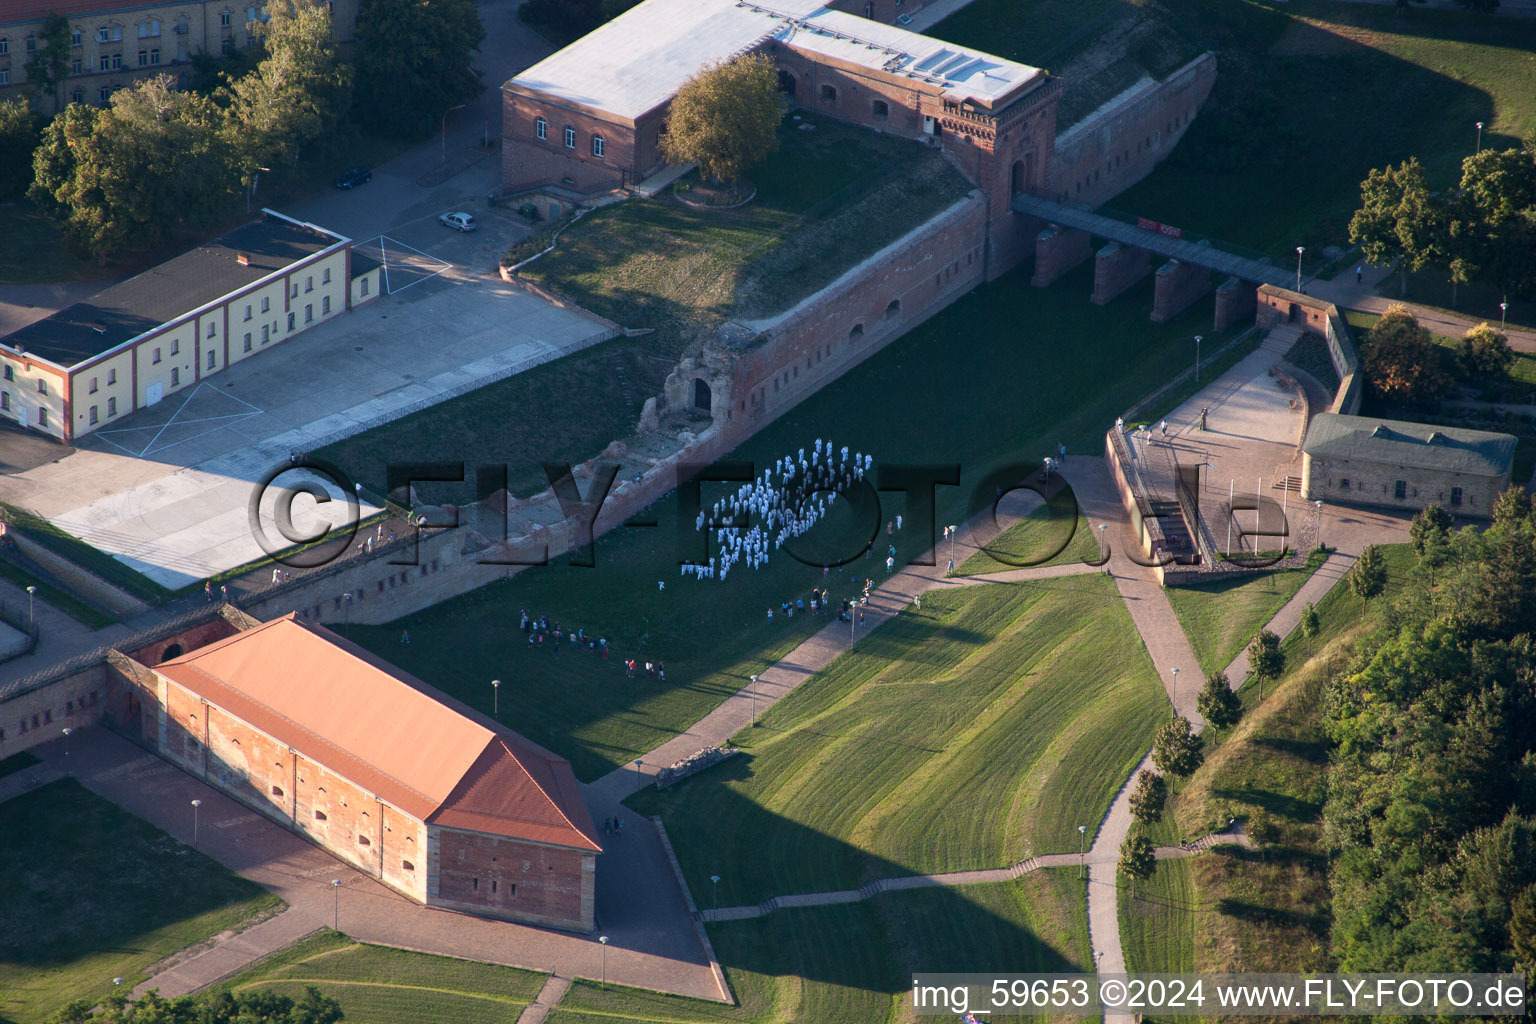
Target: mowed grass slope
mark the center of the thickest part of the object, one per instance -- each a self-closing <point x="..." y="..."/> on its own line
<point x="972" y="733"/>
<point x="1017" y="371"/>
<point x="382" y="985"/>
<point x="93" y="893"/>
<point x="853" y="963"/>
<point x="1267" y="910"/>
<point x="1221" y="618"/>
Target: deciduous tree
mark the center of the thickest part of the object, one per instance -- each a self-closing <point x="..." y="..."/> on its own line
<point x="1138" y="859"/>
<point x="1265" y="658"/>
<point x="1368" y="577"/>
<point x="1310" y="625"/>
<point x="725" y="118"/>
<point x="1401" y="361"/>
<point x="18" y="138"/>
<point x="1176" y="749"/>
<point x="1399" y="219"/>
<point x="48" y="66"/>
<point x="1149" y="797"/>
<point x="1512" y="507"/>
<point x="403" y="89"/>
<point x="1486" y="351"/>
<point x="1217" y="703"/>
<point x="297" y="93"/>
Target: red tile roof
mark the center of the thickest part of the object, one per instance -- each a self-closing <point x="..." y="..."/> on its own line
<point x="416" y="748"/>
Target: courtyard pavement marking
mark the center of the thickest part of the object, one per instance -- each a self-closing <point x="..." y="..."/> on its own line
<point x="177" y="418"/>
<point x="421" y="262"/>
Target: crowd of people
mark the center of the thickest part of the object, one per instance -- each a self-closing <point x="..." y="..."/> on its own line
<point x="789" y="499"/>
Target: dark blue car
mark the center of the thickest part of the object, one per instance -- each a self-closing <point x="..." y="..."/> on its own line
<point x="356" y="176"/>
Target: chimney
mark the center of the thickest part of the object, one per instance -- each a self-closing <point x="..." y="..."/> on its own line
<point x="243" y="259"/>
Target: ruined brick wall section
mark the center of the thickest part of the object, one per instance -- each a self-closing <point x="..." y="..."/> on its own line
<point x="511" y="878"/>
<point x="630" y="151"/>
<point x="1119" y="144"/>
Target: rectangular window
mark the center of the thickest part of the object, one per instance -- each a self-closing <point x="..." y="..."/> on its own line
<point x="143" y="58"/>
<point x="325" y="305"/>
<point x="74" y="38"/>
<point x="1400" y="489"/>
<point x="154" y="57"/>
<point x="5" y="45"/>
<point x="104" y="64"/>
<point x="309" y="283"/>
<point x="42" y="417"/>
<point x="1455" y="496"/>
<point x="175" y="346"/>
<point x="213" y="328"/>
<point x="247" y="311"/>
<point x="93" y="385"/>
<point x="494" y="885"/>
<point x="295" y="293"/>
<point x="266" y="304"/>
<point x="570" y="138"/>
<point x="212" y="359"/>
<point x="363" y="290"/>
<point x="77" y="66"/>
<point x="541" y="128"/>
<point x="325" y="276"/>
<point x="5" y="400"/>
<point x="224" y="19"/>
<point x="175" y="376"/>
<point x="291" y="318"/>
<point x="309" y="311"/>
<point x="42" y="386"/>
<point x="93" y="415"/>
<point x="10" y="374"/>
<point x="266" y="331"/>
<point x="247" y="342"/>
<point x="117" y="61"/>
<point x="597" y="145"/>
<point x="111" y="407"/>
<point x="156" y="357"/>
<point x="111" y="377"/>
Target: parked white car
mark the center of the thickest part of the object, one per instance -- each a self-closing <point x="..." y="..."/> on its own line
<point x="458" y="221"/>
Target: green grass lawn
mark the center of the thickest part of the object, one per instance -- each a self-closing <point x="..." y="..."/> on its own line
<point x="94" y="893"/>
<point x="1057" y="369"/>
<point x="35" y="250"/>
<point x="1240" y="910"/>
<point x="82" y="554"/>
<point x="1040" y="533"/>
<point x="984" y="726"/>
<point x="825" y="200"/>
<point x="1221" y="618"/>
<point x="16" y="763"/>
<point x="1311" y="96"/>
<point x="1158" y="920"/>
<point x="382" y="985"/>
<point x="853" y="964"/>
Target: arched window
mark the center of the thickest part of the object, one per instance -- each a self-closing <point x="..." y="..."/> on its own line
<point x="856" y="332"/>
<point x="892" y="308"/>
<point x="570" y="137"/>
<point x="828" y="94"/>
<point x="540" y="128"/>
<point x="881" y="109"/>
<point x="597" y="145"/>
<point x="5" y="45"/>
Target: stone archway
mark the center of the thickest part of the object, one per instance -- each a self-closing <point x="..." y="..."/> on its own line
<point x="702" y="397"/>
<point x="173" y="651"/>
<point x="1023" y="173"/>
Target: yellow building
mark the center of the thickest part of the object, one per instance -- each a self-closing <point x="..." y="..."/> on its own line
<point x="173" y="325"/>
<point x="113" y="44"/>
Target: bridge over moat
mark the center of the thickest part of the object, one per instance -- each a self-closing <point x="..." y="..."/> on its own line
<point x="1127" y="258"/>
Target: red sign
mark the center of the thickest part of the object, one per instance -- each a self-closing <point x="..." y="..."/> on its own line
<point x="1162" y="229"/>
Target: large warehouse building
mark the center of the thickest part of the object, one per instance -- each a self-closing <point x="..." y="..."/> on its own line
<point x="436" y="801"/>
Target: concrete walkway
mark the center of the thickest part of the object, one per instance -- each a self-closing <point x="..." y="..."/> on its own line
<point x="984" y="876"/>
<point x="1345" y="293"/>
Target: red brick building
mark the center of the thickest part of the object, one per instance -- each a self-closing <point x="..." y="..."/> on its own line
<point x="389" y="775"/>
<point x="588" y="119"/>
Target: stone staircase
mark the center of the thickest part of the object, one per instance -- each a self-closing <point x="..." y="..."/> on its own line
<point x="1280" y="339"/>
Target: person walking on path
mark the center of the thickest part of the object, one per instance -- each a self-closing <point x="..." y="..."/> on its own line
<point x="1359" y="273"/>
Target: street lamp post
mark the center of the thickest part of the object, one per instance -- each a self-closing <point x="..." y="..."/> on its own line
<point x="1175" y="690"/>
<point x="32" y="605"/>
<point x="950" y="531"/>
<point x="603" y="941"/>
<point x="1503" y="317"/>
<point x="1299" y="250"/>
<point x="715" y="883"/>
<point x="640" y="769"/>
<point x="1082" y="851"/>
<point x="754" y="699"/>
<point x="1319" y="523"/>
<point x="496" y="699"/>
<point x="335" y="904"/>
<point x="1198" y="339"/>
<point x="1479" y="137"/>
<point x="346" y="614"/>
<point x="67" y="731"/>
<point x="195" y="805"/>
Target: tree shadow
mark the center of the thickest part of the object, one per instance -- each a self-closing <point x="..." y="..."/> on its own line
<point x="1318" y="923"/>
<point x="1281" y="804"/>
<point x="1313" y="752"/>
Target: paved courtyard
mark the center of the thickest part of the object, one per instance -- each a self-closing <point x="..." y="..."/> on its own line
<point x="166" y="490"/>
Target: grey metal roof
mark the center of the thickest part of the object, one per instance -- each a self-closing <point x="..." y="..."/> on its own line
<point x="1410" y="445"/>
<point x="1199" y="254"/>
<point x="170" y="290"/>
